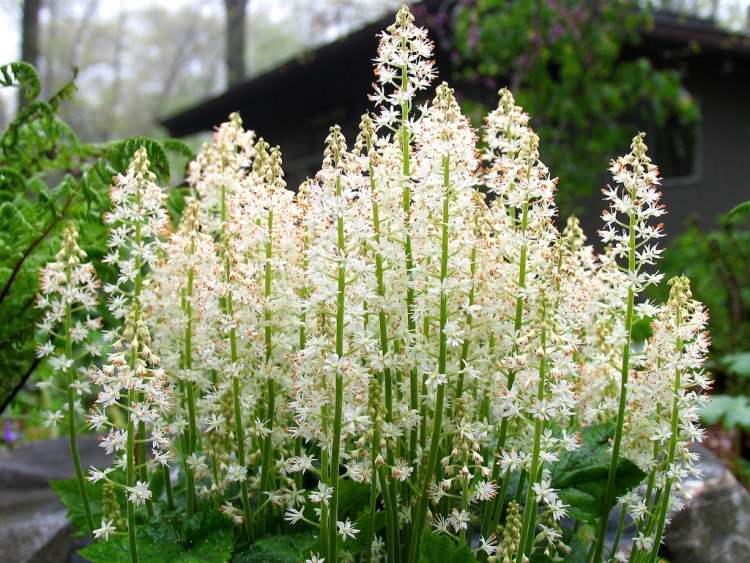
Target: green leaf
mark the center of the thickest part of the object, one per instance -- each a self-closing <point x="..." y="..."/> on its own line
<point x="732" y="412"/>
<point x="581" y="476"/>
<point x="437" y="548"/>
<point x="178" y="147"/>
<point x="175" y="527"/>
<point x="353" y="497"/>
<point x="641" y="330"/>
<point x="121" y="153"/>
<point x="290" y="548"/>
<point x="216" y="547"/>
<point x="579" y="544"/>
<point x="65" y="93"/>
<point x="11" y="179"/>
<point x="23" y="75"/>
<point x="69" y="494"/>
<point x="363" y="524"/>
<point x="737" y="364"/>
<point x="741" y="209"/>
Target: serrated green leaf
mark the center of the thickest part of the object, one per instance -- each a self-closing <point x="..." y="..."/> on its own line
<point x="353" y="497"/>
<point x="69" y="494"/>
<point x="290" y="548"/>
<point x="23" y="75"/>
<point x="641" y="330"/>
<point x="178" y="147"/>
<point x="730" y="411"/>
<point x="216" y="547"/>
<point x="737" y="364"/>
<point x="11" y="179"/>
<point x="120" y="154"/>
<point x="437" y="548"/>
<point x="579" y="543"/>
<point x="581" y="476"/>
<point x="741" y="209"/>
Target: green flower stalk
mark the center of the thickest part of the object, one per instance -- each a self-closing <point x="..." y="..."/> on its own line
<point x="445" y="109"/>
<point x="179" y="298"/>
<point x="189" y="225"/>
<point x="513" y="175"/>
<point x="274" y="184"/>
<point x="137" y="220"/>
<point x="639" y="203"/>
<point x="336" y="146"/>
<point x="69" y="286"/>
<point x="234" y="372"/>
<point x="531" y="507"/>
<point x="365" y="146"/>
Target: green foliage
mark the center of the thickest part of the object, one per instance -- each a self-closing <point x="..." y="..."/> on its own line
<point x="21" y="75"/>
<point x="47" y="178"/>
<point x="737" y="364"/>
<point x="171" y="536"/>
<point x="641" y="329"/>
<point x="215" y="547"/>
<point x="730" y="411"/>
<point x="437" y="548"/>
<point x="290" y="548"/>
<point x="581" y="475"/>
<point x="717" y="263"/>
<point x="120" y="153"/>
<point x="740" y="210"/>
<point x="68" y="493"/>
<point x="564" y="64"/>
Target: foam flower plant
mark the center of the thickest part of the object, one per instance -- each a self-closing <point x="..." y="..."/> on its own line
<point x="69" y="296"/>
<point x="405" y="357"/>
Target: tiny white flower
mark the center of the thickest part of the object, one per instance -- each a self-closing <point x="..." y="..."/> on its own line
<point x="105" y="530"/>
<point x="346" y="530"/>
<point x="139" y="493"/>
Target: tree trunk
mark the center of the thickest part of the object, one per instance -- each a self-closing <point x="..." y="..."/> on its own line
<point x="29" y="36"/>
<point x="234" y="55"/>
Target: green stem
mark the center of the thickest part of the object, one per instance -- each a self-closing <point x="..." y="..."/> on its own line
<point x="429" y="470"/>
<point x="266" y="477"/>
<point x="468" y="320"/>
<point x="130" y="479"/>
<point x="72" y="426"/>
<point x="405" y="141"/>
<point x="618" y="534"/>
<point x="464" y="499"/>
<point x="383" y="334"/>
<point x="625" y="370"/>
<point x="662" y="514"/>
<point x="239" y="433"/>
<point x="190" y="443"/>
<point x="649" y="499"/>
<point x="190" y="392"/>
<point x="336" y="445"/>
<point x="493" y="511"/>
<point x="530" y="509"/>
<point x="391" y="517"/>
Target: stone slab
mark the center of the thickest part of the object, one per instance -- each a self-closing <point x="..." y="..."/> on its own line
<point x="33" y="527"/>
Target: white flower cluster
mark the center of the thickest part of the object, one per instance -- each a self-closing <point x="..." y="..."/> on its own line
<point x="411" y="320"/>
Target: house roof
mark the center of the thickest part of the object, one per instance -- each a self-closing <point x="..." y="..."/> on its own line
<point x="334" y="74"/>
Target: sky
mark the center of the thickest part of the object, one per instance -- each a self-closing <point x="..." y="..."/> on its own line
<point x="10" y="22"/>
<point x="10" y="14"/>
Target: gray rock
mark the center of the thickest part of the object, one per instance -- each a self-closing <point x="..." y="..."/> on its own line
<point x="33" y="465"/>
<point x="715" y="525"/>
<point x="33" y="527"/>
